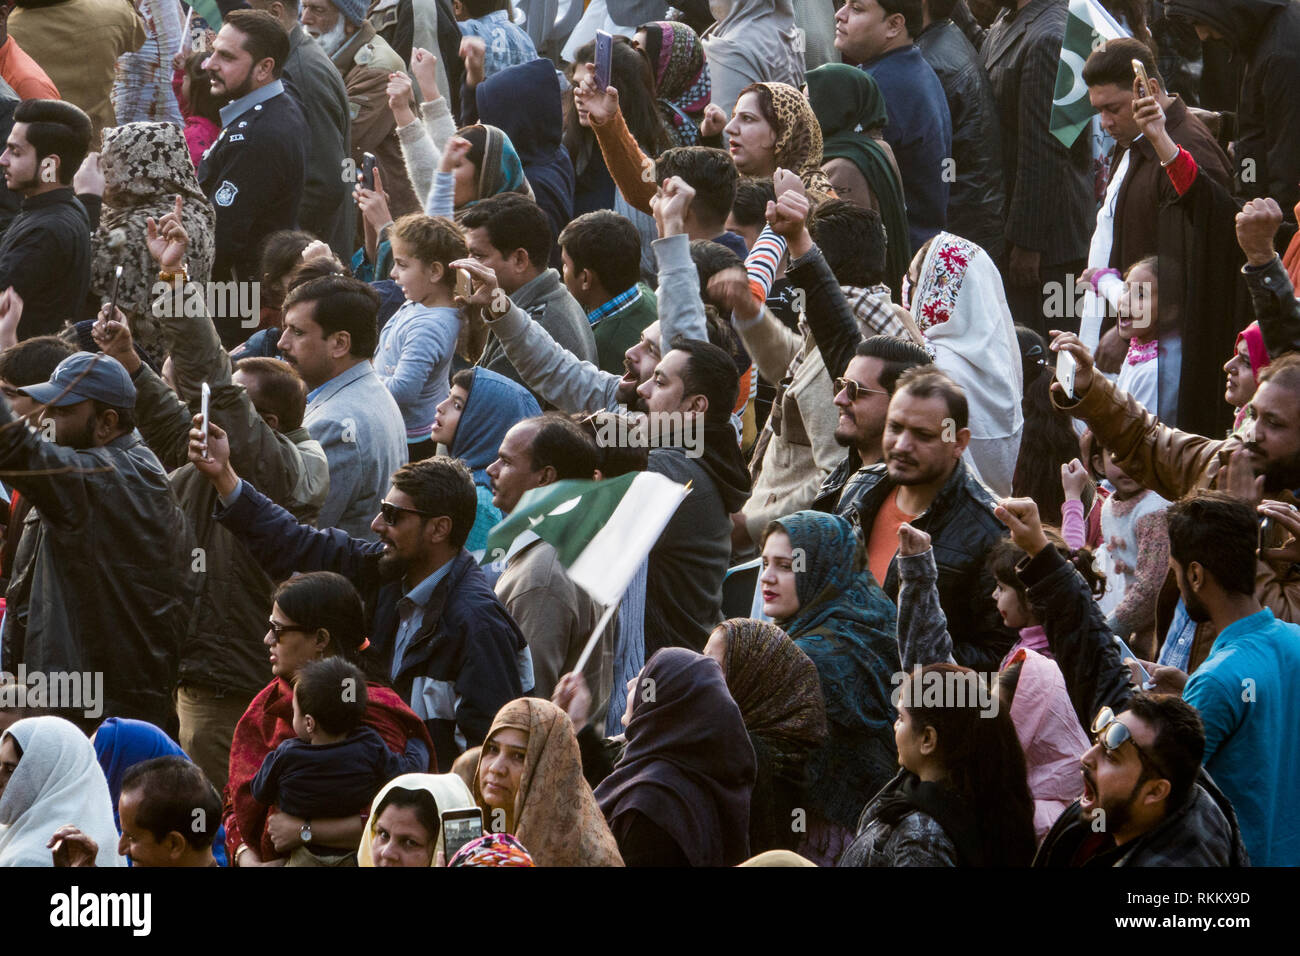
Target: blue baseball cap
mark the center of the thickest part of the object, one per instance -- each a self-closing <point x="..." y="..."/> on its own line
<point x="86" y="376"/>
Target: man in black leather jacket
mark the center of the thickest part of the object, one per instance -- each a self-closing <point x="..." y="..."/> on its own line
<point x="975" y="203"/>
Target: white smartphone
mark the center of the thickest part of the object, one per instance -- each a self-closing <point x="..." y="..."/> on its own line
<point x="1126" y="652"/>
<point x="204" y="402"/>
<point x="1065" y="366"/>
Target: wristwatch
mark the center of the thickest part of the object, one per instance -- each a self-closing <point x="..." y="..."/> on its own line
<point x="305" y="833"/>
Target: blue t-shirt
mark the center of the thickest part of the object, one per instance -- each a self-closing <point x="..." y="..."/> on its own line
<point x="1249" y="701"/>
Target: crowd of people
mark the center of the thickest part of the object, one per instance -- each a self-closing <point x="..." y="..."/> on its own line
<point x="989" y="431"/>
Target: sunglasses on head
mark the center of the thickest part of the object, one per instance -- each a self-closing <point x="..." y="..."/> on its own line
<point x="854" y="389"/>
<point x="1108" y="731"/>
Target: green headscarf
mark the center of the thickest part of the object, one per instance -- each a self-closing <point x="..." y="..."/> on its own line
<point x="848" y="103"/>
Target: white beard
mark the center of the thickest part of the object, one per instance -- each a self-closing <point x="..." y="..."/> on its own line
<point x="335" y="38"/>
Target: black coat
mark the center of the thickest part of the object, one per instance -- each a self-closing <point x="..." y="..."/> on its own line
<point x="254" y="175"/>
<point x="1050" y="206"/>
<point x="45" y="256"/>
<point x="975" y="203"/>
<point x="963" y="529"/>
<point x="1265" y="34"/>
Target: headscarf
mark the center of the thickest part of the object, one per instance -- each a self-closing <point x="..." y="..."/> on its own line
<point x="267" y="723"/>
<point x="848" y="626"/>
<point x="961" y="308"/>
<point x="495" y="404"/>
<point x="58" y="782"/>
<point x="758" y="38"/>
<point x="493" y="849"/>
<point x="798" y="138"/>
<point x="1253" y="336"/>
<point x="524" y="103"/>
<point x="501" y="170"/>
<point x="1291" y="258"/>
<point x="555" y="812"/>
<point x="448" y="791"/>
<point x="121" y="743"/>
<point x="146" y="165"/>
<point x="689" y="766"/>
<point x="848" y="103"/>
<point x="682" y="85"/>
<point x="776" y="687"/>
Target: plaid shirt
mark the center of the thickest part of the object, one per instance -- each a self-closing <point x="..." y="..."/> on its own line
<point x="874" y="312"/>
<point x="507" y="44"/>
<point x="614" y="305"/>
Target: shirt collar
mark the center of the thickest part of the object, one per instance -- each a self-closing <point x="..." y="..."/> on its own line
<point x="1243" y="626"/>
<point x="236" y="108"/>
<point x="349" y="374"/>
<point x="422" y="592"/>
<point x="626" y="297"/>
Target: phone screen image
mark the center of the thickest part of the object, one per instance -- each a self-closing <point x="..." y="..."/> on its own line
<point x="457" y="831"/>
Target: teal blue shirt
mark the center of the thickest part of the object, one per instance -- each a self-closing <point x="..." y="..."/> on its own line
<point x="1249" y="700"/>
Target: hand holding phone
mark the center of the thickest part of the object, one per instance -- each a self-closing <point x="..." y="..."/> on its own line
<point x="1144" y="84"/>
<point x="458" y="828"/>
<point x="1127" y="653"/>
<point x="604" y="60"/>
<point x="205" y="403"/>
<point x="1065" y="366"/>
<point x="368" y="164"/>
<point x="464" y="284"/>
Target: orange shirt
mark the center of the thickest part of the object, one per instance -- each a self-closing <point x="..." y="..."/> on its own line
<point x="21" y="72"/>
<point x="882" y="545"/>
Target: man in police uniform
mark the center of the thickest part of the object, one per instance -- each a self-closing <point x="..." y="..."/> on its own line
<point x="254" y="172"/>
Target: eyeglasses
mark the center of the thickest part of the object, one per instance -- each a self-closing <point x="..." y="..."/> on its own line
<point x="1112" y="734"/>
<point x="391" y="512"/>
<point x="854" y="389"/>
<point x="276" y="628"/>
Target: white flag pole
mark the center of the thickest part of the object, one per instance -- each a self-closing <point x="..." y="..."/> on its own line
<point x="595" y="636"/>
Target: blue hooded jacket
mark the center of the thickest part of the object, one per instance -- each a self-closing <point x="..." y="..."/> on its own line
<point x="524" y="102"/>
<point x="494" y="405"/>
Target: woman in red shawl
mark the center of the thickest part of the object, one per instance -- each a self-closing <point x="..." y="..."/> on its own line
<point x="313" y="616"/>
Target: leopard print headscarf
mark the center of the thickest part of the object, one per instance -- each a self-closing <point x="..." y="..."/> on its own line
<point x="798" y="139"/>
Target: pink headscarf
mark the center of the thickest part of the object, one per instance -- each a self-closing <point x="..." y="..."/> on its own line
<point x="1259" y="357"/>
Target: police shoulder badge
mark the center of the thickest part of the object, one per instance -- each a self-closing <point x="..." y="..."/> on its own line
<point x="225" y="194"/>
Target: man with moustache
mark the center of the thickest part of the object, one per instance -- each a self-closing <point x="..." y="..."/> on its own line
<point x="254" y="172"/>
<point x="924" y="482"/>
<point x="437" y="631"/>
<point x="1263" y="468"/>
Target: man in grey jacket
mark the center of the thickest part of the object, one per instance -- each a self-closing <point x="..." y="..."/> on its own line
<point x="330" y="332"/>
<point x="326" y="209"/>
<point x="511" y="235"/>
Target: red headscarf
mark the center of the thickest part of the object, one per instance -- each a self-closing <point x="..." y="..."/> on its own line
<point x="1291" y="258"/>
<point x="1254" y="338"/>
<point x="266" y="724"/>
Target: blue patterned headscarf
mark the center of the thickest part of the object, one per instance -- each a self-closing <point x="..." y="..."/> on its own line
<point x="848" y="626"/>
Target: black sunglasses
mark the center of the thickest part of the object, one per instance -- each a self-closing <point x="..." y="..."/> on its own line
<point x="276" y="628"/>
<point x="391" y="512"/>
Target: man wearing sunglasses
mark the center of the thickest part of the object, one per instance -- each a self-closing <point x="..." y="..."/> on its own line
<point x="448" y="645"/>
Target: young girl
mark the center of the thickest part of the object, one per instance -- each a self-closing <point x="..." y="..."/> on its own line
<point x="1134" y="554"/>
<point x="1139" y="323"/>
<point x="200" y="108"/>
<point x="416" y="345"/>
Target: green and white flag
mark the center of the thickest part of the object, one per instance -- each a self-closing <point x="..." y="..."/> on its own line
<point x="601" y="530"/>
<point x="1086" y="29"/>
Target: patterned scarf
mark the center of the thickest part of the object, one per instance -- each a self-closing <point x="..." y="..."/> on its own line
<point x="146" y="165"/>
<point x="554" y="812"/>
<point x="776" y="687"/>
<point x="494" y="849"/>
<point x="681" y="78"/>
<point x="798" y="139"/>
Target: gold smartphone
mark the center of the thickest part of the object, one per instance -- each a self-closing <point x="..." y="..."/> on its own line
<point x="1141" y="73"/>
<point x="464" y="285"/>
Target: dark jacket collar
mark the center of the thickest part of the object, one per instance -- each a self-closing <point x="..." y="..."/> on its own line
<point x="61" y="196"/>
<point x="1016" y="23"/>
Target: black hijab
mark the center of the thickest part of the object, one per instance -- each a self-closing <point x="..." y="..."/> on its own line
<point x="689" y="766"/>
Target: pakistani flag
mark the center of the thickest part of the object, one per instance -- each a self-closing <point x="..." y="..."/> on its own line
<point x="209" y="11"/>
<point x="601" y="530"/>
<point x="1087" y="28"/>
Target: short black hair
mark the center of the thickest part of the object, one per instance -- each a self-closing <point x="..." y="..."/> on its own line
<point x="512" y="222"/>
<point x="929" y="381"/>
<point x="710" y="258"/>
<point x="325" y="600"/>
<point x="175" y="797"/>
<point x="710" y="372"/>
<point x="279" y="255"/>
<point x="1179" y="745"/>
<point x="125" y="416"/>
<point x="911" y="11"/>
<point x="608" y="244"/>
<point x="464" y="378"/>
<point x="898" y="356"/>
<point x="749" y="208"/>
<point x="441" y="487"/>
<point x="263" y="37"/>
<point x="279" y="388"/>
<point x="56" y="128"/>
<point x="1220" y="533"/>
<point x="710" y="172"/>
<point x="421" y="801"/>
<point x="562" y="444"/>
<point x="852" y="238"/>
<point x="1112" y="62"/>
<point x="333" y="692"/>
<point x="32" y="361"/>
<point x="342" y="304"/>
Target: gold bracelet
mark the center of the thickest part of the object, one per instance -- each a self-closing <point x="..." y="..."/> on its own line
<point x="167" y="275"/>
<point x="242" y="847"/>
